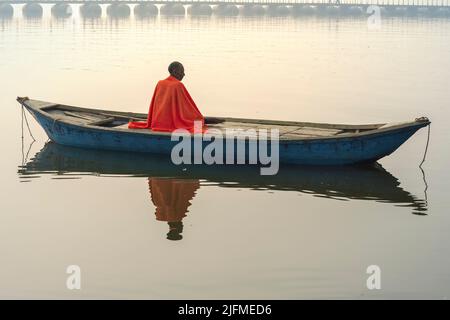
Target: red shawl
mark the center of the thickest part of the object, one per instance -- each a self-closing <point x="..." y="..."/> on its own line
<point x="171" y="108"/>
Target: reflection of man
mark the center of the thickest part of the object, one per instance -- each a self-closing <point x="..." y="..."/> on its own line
<point x="171" y="198"/>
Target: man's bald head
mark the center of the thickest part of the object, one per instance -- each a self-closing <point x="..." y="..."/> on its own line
<point x="176" y="70"/>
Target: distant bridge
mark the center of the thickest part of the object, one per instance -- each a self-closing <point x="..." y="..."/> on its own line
<point x="409" y="3"/>
<point x="148" y="8"/>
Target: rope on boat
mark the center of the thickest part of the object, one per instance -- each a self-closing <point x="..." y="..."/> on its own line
<point x="423" y="161"/>
<point x="426" y="147"/>
<point x="24" y="116"/>
<point x="23" y="154"/>
<point x="25" y="157"/>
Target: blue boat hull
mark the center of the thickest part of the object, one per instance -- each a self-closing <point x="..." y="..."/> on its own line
<point x="336" y="151"/>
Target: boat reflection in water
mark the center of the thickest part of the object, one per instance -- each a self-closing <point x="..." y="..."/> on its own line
<point x="172" y="187"/>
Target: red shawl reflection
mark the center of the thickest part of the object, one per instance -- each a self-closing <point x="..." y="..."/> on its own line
<point x="171" y="198"/>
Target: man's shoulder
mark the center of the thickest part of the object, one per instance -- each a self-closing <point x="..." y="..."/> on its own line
<point x="170" y="83"/>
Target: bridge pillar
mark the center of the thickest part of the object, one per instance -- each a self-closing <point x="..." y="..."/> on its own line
<point x="396" y="11"/>
<point x="173" y="9"/>
<point x="441" y="12"/>
<point x="200" y="10"/>
<point x="333" y="10"/>
<point x="145" y="10"/>
<point x="118" y="10"/>
<point x="401" y="11"/>
<point x="422" y="11"/>
<point x="91" y="10"/>
<point x="278" y="10"/>
<point x="61" y="10"/>
<point x="383" y="11"/>
<point x="303" y="10"/>
<point x="322" y="10"/>
<point x="226" y="10"/>
<point x="32" y="10"/>
<point x="326" y="10"/>
<point x="352" y="10"/>
<point x="252" y="10"/>
<point x="412" y="11"/>
<point x="6" y="10"/>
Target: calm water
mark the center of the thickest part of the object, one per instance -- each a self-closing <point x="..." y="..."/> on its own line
<point x="306" y="233"/>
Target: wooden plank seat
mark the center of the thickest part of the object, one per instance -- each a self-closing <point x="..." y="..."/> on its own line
<point x="242" y="129"/>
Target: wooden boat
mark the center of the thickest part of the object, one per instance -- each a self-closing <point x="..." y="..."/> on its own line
<point x="302" y="143"/>
<point x="370" y="182"/>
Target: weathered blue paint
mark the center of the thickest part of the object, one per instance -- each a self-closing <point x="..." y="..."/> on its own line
<point x="345" y="150"/>
<point x="326" y="151"/>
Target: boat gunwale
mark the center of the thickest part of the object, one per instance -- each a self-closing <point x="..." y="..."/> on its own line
<point x="370" y="129"/>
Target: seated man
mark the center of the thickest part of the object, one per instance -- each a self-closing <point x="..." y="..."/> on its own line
<point x="172" y="107"/>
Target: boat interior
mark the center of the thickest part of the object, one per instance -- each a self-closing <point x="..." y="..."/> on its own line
<point x="248" y="127"/>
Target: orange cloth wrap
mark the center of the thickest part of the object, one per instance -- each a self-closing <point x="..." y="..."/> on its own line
<point x="171" y="108"/>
